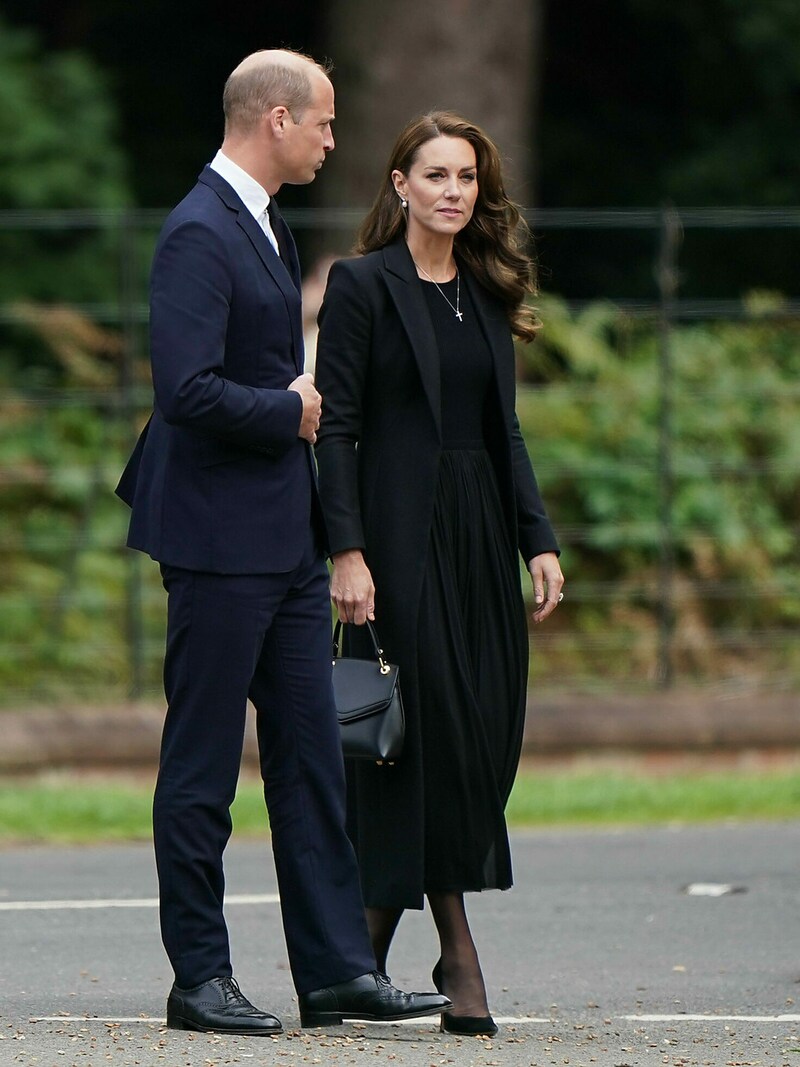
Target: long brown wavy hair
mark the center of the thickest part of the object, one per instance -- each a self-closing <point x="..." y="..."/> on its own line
<point x="494" y="244"/>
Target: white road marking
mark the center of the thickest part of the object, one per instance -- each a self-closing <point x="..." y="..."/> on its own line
<point x="143" y="902"/>
<point x="712" y="889"/>
<point x="711" y="1018"/>
<point x="505" y="1020"/>
<point x="426" y="1020"/>
<point x="107" y="1021"/>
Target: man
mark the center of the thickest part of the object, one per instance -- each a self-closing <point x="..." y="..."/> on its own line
<point x="223" y="493"/>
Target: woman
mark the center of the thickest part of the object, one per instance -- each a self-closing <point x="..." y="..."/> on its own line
<point x="428" y="493"/>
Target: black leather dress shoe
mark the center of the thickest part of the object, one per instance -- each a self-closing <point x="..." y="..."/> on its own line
<point x="371" y="996"/>
<point x="219" y="1006"/>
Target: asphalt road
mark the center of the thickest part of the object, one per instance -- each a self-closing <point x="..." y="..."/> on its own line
<point x="597" y="956"/>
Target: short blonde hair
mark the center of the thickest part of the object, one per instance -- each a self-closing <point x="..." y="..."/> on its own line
<point x="253" y="89"/>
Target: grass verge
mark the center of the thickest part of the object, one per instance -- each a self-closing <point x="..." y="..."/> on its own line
<point x="72" y="810"/>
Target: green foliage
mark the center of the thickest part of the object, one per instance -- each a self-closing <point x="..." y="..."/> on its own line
<point x="64" y="579"/>
<point x="63" y="575"/>
<point x="58" y="149"/>
<point x="67" y="587"/>
<point x="593" y="429"/>
<point x="57" y="130"/>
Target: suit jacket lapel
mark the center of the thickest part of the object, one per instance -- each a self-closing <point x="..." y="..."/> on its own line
<point x="280" y="274"/>
<point x="289" y="284"/>
<point x="404" y="287"/>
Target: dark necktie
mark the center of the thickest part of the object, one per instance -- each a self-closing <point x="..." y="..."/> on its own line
<point x="277" y="224"/>
<point x="285" y="245"/>
<point x="265" y="222"/>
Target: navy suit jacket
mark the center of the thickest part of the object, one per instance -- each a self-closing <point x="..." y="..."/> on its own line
<point x="219" y="480"/>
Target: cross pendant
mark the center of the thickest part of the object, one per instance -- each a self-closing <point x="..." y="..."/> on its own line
<point x="460" y="315"/>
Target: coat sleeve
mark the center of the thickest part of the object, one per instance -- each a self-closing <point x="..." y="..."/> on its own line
<point x="535" y="534"/>
<point x="345" y="331"/>
<point x="190" y="298"/>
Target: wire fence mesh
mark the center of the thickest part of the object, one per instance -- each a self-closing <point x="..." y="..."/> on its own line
<point x="679" y="543"/>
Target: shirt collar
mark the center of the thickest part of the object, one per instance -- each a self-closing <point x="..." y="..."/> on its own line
<point x="254" y="197"/>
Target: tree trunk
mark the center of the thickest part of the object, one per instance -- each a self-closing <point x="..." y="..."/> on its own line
<point x="395" y="61"/>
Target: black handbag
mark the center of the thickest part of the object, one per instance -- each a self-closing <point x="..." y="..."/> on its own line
<point x="368" y="703"/>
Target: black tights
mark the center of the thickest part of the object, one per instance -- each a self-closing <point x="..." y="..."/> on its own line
<point x="462" y="980"/>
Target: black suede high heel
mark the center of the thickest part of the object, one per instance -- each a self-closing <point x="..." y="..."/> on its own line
<point x="466" y="1025"/>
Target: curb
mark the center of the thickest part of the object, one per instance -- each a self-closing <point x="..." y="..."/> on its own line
<point x="127" y="736"/>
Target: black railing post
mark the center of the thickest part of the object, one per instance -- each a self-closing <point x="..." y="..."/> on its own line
<point x="667" y="279"/>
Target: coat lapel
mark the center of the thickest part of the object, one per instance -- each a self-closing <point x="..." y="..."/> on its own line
<point x="406" y="292"/>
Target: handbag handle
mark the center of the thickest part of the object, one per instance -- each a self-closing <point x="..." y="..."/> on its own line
<point x="338" y="635"/>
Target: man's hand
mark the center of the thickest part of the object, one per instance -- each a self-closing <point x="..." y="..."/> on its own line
<point x="312" y="406"/>
<point x="352" y="590"/>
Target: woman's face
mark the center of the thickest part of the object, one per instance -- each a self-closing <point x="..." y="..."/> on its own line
<point x="441" y="187"/>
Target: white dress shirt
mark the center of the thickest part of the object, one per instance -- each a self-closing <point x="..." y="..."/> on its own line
<point x="254" y="197"/>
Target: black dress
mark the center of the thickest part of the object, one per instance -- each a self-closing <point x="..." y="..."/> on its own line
<point x="472" y="635"/>
<point x="453" y="520"/>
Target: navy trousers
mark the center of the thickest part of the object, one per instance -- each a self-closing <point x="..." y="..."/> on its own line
<point x="266" y="637"/>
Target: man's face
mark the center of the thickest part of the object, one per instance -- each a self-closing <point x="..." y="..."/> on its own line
<point x="307" y="141"/>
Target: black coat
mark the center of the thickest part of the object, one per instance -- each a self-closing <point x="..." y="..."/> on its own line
<point x="378" y="452"/>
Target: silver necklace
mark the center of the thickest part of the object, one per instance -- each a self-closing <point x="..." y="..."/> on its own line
<point x="457" y="306"/>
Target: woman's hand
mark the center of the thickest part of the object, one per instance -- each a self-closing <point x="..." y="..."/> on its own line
<point x="547" y="578"/>
<point x="352" y="589"/>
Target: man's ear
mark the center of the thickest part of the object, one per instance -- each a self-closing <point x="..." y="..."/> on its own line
<point x="278" y="118"/>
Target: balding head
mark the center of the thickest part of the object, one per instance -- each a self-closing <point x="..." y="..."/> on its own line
<point x="265" y="80"/>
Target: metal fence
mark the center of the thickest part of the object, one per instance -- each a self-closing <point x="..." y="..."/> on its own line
<point x="81" y="618"/>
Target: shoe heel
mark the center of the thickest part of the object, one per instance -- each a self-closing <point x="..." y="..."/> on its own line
<point x="175" y="1022"/>
<point x="320" y="1018"/>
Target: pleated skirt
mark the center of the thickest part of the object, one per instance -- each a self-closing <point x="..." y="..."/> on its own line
<point x="472" y="664"/>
